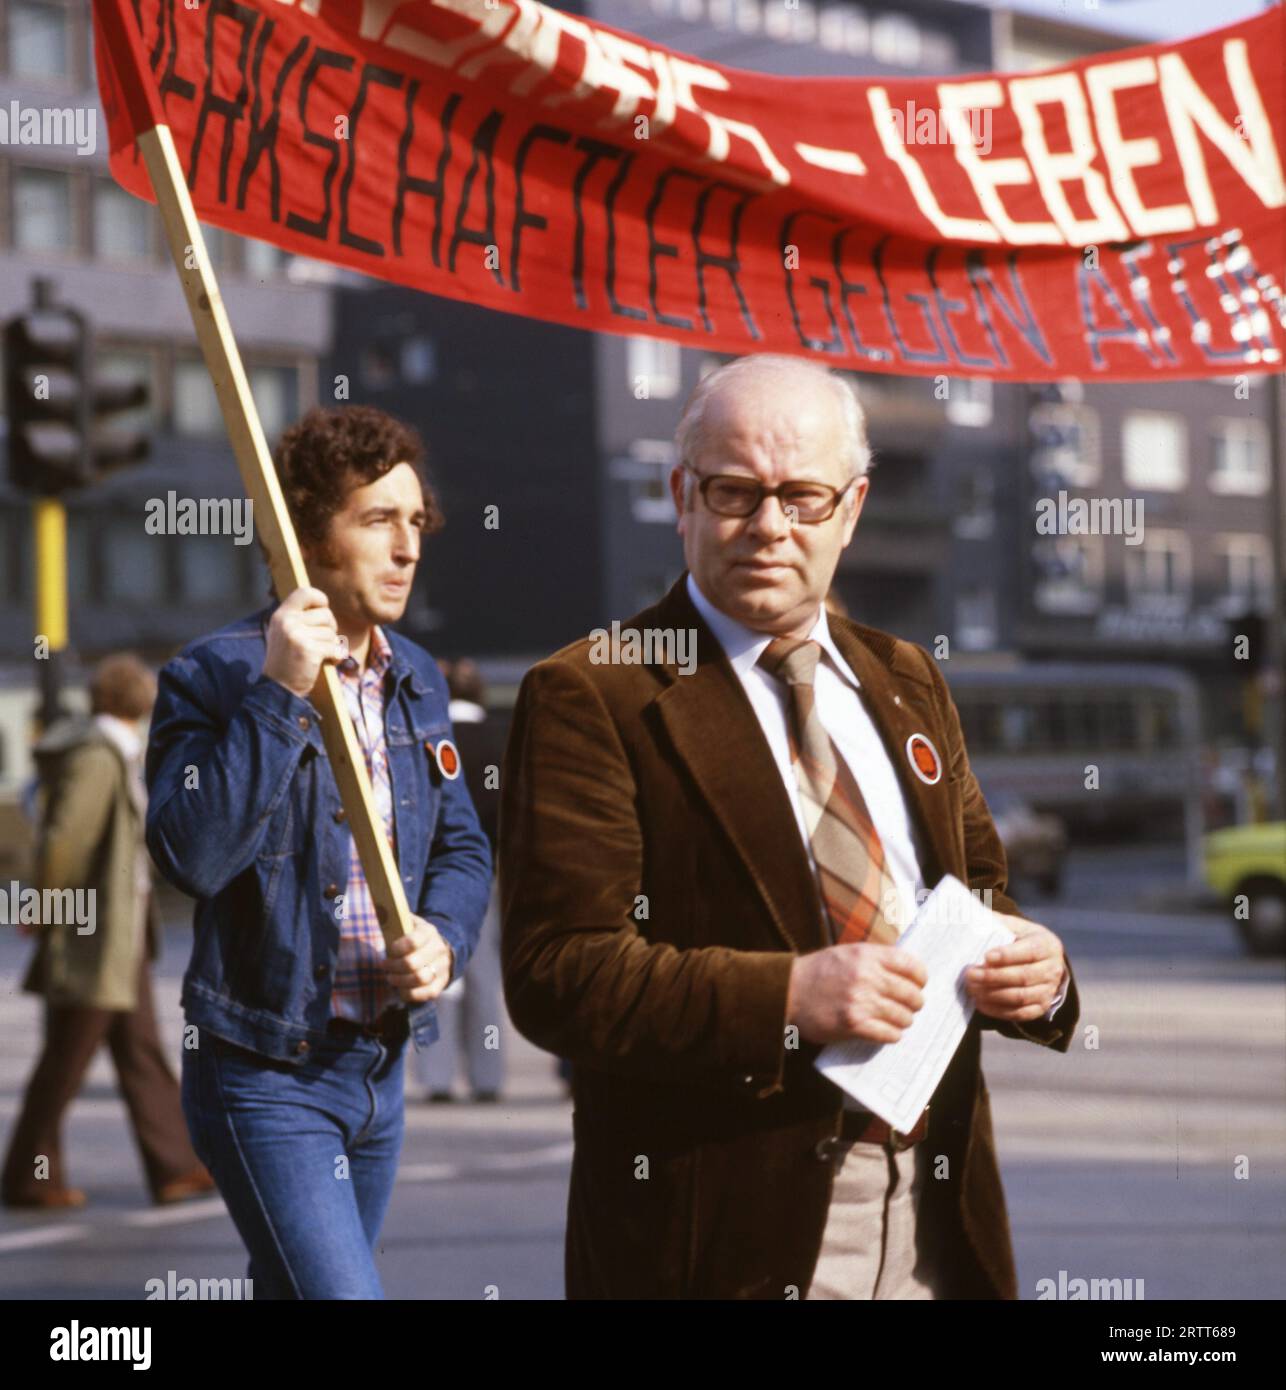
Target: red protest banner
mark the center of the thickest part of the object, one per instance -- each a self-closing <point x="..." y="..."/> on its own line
<point x="1116" y="219"/>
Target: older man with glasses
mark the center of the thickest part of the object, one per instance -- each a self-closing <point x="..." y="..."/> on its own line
<point x="696" y="878"/>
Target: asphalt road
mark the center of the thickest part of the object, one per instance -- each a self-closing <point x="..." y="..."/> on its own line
<point x="1120" y="1158"/>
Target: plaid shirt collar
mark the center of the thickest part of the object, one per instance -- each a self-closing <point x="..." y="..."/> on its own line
<point x="378" y="660"/>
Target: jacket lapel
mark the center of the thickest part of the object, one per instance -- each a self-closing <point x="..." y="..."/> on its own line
<point x="898" y="696"/>
<point x="715" y="732"/>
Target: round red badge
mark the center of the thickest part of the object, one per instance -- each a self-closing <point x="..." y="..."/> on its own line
<point x="447" y="757"/>
<point x="924" y="760"/>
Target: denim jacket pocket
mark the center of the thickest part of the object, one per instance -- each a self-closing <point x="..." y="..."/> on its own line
<point x="270" y="868"/>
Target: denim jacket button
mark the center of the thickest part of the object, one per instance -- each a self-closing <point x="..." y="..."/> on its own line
<point x="304" y="721"/>
<point x="301" y="1047"/>
<point x="320" y="972"/>
<point x="338" y="816"/>
<point x="331" y="890"/>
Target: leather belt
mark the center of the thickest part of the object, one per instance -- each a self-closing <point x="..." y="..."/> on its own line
<point x="861" y="1127"/>
<point x="392" y="1026"/>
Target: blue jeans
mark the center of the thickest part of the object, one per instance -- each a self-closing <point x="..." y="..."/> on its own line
<point x="305" y="1157"/>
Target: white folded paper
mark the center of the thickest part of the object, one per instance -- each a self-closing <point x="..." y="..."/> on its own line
<point x="951" y="931"/>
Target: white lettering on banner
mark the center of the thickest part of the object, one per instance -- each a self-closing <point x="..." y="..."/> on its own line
<point x="685" y="74"/>
<point x="543" y="43"/>
<point x="957" y="228"/>
<point x="589" y="61"/>
<point x="375" y="25"/>
<point x="1123" y="156"/>
<point x="986" y="175"/>
<point x="1067" y="166"/>
<point x="836" y="161"/>
<point x="1255" y="158"/>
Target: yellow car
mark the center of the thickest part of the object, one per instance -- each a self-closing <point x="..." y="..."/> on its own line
<point x="1246" y="866"/>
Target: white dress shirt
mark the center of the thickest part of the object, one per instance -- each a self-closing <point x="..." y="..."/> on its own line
<point x="845" y="718"/>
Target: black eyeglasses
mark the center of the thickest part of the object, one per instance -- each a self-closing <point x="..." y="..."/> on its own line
<point x="731" y="494"/>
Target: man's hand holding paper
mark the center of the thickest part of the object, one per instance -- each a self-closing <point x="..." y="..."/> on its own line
<point x="862" y="990"/>
<point x="949" y="936"/>
<point x="1020" y="981"/>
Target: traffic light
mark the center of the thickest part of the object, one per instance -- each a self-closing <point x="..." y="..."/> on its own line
<point x="57" y="412"/>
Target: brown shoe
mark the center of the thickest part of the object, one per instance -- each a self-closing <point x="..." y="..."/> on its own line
<point x="52" y="1199"/>
<point x="182" y="1189"/>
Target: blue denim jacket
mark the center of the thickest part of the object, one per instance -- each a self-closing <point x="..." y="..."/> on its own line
<point x="244" y="815"/>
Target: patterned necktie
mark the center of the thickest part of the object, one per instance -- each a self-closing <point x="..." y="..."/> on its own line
<point x="851" y="868"/>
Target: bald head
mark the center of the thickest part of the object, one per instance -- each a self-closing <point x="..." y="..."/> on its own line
<point x="796" y="430"/>
<point x="787" y="384"/>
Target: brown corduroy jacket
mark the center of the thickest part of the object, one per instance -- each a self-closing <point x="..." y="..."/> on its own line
<point x="654" y="891"/>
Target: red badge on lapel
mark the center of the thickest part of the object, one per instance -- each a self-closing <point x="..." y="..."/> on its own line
<point x="447" y="758"/>
<point x="924" y="760"/>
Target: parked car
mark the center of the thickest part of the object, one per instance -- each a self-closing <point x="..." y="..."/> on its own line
<point x="1246" y="866"/>
<point x="1035" y="842"/>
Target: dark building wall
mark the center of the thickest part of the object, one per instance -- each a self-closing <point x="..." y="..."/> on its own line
<point x="505" y="407"/>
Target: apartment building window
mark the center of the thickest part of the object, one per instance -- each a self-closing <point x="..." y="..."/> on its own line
<point x="796" y="23"/>
<point x="42" y="210"/>
<point x="647" y="471"/>
<point x="656" y="365"/>
<point x="843" y="29"/>
<point x="133" y="561"/>
<point x="39" y="39"/>
<point x="1066" y="443"/>
<point x="211" y="569"/>
<point x="122" y="225"/>
<point x="419" y="360"/>
<point x="975" y="515"/>
<point x="721" y="13"/>
<point x="263" y="261"/>
<point x="1158" y="573"/>
<point x="195" y="405"/>
<point x="129" y="365"/>
<point x="976" y="620"/>
<point x="276" y="393"/>
<point x="378" y="365"/>
<point x="1246" y="573"/>
<point x="218" y="246"/>
<point x="970" y="402"/>
<point x="1154" y="450"/>
<point x="895" y="40"/>
<point x="1069" y="574"/>
<point x="1240" y="458"/>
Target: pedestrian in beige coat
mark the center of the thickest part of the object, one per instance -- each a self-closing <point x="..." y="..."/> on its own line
<point x="91" y="963"/>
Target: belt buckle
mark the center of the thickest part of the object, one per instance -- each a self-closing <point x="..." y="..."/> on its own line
<point x="898" y="1141"/>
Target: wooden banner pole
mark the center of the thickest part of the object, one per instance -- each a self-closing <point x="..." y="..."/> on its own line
<point x="271" y="518"/>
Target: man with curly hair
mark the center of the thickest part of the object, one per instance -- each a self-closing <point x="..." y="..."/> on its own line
<point x="293" y="1093"/>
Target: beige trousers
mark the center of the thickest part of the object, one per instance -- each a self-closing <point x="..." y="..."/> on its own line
<point x="869" y="1244"/>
